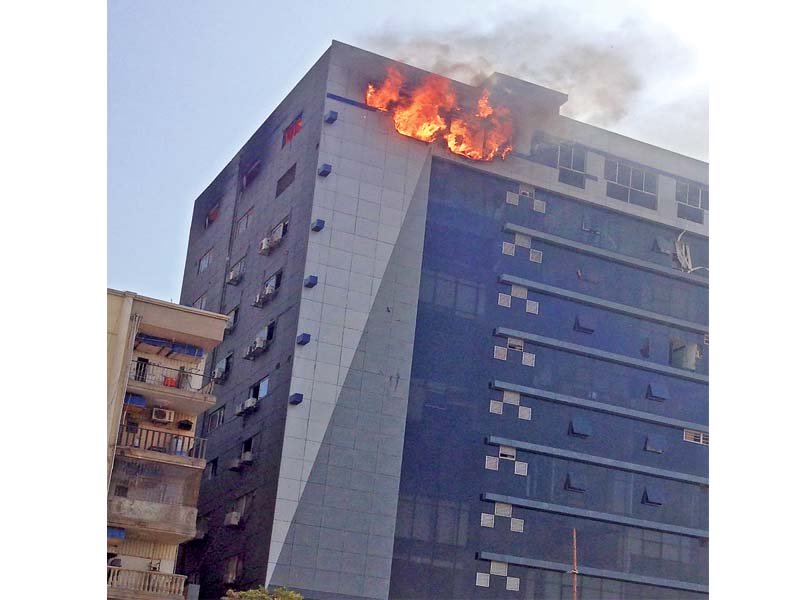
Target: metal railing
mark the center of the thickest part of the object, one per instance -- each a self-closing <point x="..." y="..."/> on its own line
<point x="146" y="581"/>
<point x="162" y="441"/>
<point x="183" y="379"/>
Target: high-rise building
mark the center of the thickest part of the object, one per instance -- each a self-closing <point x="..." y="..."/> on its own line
<point x="156" y="390"/>
<point x="446" y="357"/>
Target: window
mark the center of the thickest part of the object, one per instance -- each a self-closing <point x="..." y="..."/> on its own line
<point x="212" y="215"/>
<point x="242" y="223"/>
<point x="482" y="579"/>
<point x="211" y="469"/>
<point x="285" y="181"/>
<point x="692" y="201"/>
<point x="260" y="389"/>
<point x="250" y="174"/>
<point x="487" y="520"/>
<point x="234" y="568"/>
<point x="215" y="419"/>
<point x="516" y="344"/>
<point x="243" y="503"/>
<point x="683" y="355"/>
<point x="572" y="165"/>
<point x="247" y="446"/>
<point x="280" y="230"/>
<point x="292" y="130"/>
<point x="507" y="453"/>
<point x="200" y="302"/>
<point x="631" y="184"/>
<point x="233" y="318"/>
<point x="236" y="272"/>
<point x="205" y="260"/>
<point x="695" y="437"/>
<point x="517" y="525"/>
<point x="275" y="280"/>
<point x="223" y="367"/>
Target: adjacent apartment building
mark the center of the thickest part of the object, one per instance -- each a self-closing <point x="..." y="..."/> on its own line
<point x="467" y="354"/>
<point x="156" y="355"/>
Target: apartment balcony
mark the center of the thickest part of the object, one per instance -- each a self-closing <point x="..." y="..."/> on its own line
<point x="176" y="389"/>
<point x="127" y="584"/>
<point x="161" y="446"/>
<point x="156" y="500"/>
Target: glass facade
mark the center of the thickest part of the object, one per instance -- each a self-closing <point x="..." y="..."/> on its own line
<point x="585" y="434"/>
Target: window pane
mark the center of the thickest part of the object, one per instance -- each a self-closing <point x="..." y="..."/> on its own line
<point x="682" y="192"/>
<point x="624" y="177"/>
<point x="694" y="195"/>
<point x="650" y="182"/>
<point x="565" y="156"/>
<point x="704" y="199"/>
<point x="611" y="170"/>
<point x="637" y="179"/>
<point x="579" y="159"/>
<point x="616" y="191"/>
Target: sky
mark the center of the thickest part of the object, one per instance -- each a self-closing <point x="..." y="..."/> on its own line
<point x="189" y="81"/>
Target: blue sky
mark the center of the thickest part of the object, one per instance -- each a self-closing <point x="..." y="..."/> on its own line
<point x="190" y="81"/>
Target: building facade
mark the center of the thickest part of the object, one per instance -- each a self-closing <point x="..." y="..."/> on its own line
<point x="156" y="390"/>
<point x="452" y="378"/>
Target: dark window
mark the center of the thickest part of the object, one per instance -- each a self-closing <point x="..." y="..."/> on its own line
<point x="575" y="482"/>
<point x="545" y="152"/>
<point x="292" y="130"/>
<point x="580" y="427"/>
<point x="275" y="280"/>
<point x="237" y="272"/>
<point x="285" y="181"/>
<point x="247" y="445"/>
<point x="251" y="173"/>
<point x="212" y="215"/>
<point x="654" y="443"/>
<point x="653" y="495"/>
<point x="233" y="317"/>
<point x="691" y="195"/>
<point x="690" y="213"/>
<point x="631" y="184"/>
<point x="211" y="469"/>
<point x="260" y="389"/>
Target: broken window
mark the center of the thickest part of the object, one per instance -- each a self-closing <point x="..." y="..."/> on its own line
<point x="292" y="130"/>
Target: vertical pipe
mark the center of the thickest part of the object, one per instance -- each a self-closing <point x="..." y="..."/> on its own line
<point x="574" y="564"/>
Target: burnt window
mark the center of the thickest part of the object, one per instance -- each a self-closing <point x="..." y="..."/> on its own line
<point x="285" y="181"/>
<point x="250" y="173"/>
<point x="630" y="183"/>
<point x="212" y="215"/>
<point x="292" y="130"/>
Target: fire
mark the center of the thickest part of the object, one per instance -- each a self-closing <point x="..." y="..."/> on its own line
<point x="432" y="109"/>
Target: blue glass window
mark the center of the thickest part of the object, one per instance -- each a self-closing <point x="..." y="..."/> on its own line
<point x="653" y="495"/>
<point x="655" y="443"/>
<point x="575" y="482"/>
<point x="580" y="427"/>
<point x="657" y="391"/>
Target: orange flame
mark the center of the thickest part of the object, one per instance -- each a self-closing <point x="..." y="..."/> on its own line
<point x="432" y="109"/>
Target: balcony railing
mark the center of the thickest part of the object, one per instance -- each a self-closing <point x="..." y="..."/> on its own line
<point x="162" y="441"/>
<point x="146" y="581"/>
<point x="182" y="379"/>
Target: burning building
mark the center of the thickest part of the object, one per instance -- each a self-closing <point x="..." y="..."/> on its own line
<point x="462" y="326"/>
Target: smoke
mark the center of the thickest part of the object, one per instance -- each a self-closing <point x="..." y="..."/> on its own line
<point x="604" y="71"/>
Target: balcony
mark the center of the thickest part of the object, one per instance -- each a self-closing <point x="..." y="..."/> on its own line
<point x="154" y="521"/>
<point x="182" y="390"/>
<point x="162" y="446"/>
<point x="127" y="584"/>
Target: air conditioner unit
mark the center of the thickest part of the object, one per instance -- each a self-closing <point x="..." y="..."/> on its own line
<point x="273" y="242"/>
<point x="218" y="375"/>
<point x="250" y="404"/>
<point x="235" y="464"/>
<point x="234" y="276"/>
<point x="247" y="458"/>
<point x="263" y="247"/>
<point x="269" y="292"/>
<point x="239" y="409"/>
<point x="232" y="519"/>
<point x="162" y="415"/>
<point x="259" y="345"/>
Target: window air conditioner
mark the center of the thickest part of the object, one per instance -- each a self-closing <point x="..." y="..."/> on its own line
<point x="239" y="409"/>
<point x="263" y="247"/>
<point x="232" y="519"/>
<point x="247" y="458"/>
<point x="162" y="415"/>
